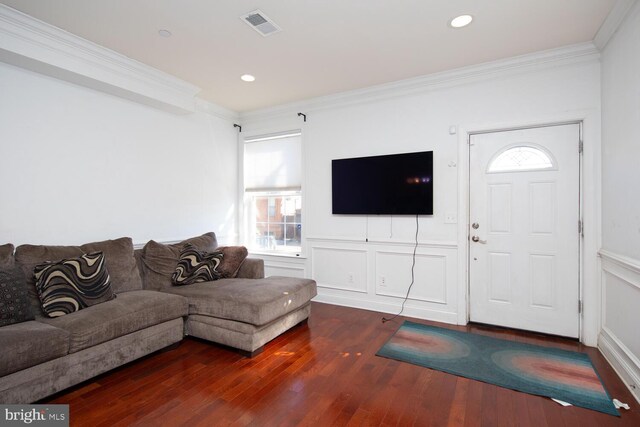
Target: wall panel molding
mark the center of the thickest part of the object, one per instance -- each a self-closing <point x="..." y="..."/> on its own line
<point x="621" y="288"/>
<point x="446" y="244"/>
<point x="626" y="365"/>
<point x="284" y="269"/>
<point x="432" y="297"/>
<point x="625" y="267"/>
<point x="417" y="292"/>
<point x="333" y="274"/>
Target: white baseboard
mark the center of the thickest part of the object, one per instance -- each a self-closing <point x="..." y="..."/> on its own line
<point x="626" y="365"/>
<point x="419" y="313"/>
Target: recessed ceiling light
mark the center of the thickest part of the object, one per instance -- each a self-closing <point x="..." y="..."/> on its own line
<point x="461" y="21"/>
<point x="164" y="33"/>
<point x="247" y="77"/>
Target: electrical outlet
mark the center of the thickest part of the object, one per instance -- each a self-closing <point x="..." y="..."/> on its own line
<point x="350" y="278"/>
<point x="383" y="281"/>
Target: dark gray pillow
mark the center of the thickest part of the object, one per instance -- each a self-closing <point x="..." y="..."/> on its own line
<point x="72" y="284"/>
<point x="15" y="306"/>
<point x="196" y="267"/>
<point x="6" y="256"/>
<point x="233" y="257"/>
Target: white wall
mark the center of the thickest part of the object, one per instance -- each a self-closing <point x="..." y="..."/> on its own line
<point x="349" y="270"/>
<point x="78" y="165"/>
<point x="620" y="339"/>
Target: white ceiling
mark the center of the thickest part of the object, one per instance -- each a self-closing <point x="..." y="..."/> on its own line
<point x="326" y="46"/>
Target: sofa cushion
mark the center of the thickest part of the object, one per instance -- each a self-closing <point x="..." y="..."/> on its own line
<point x="120" y="262"/>
<point x="233" y="257"/>
<point x="72" y="284"/>
<point x="29" y="343"/>
<point x="254" y="301"/>
<point x="159" y="261"/>
<point x="196" y="267"/>
<point x="15" y="306"/>
<point x="130" y="312"/>
<point x="137" y="254"/>
<point x="6" y="255"/>
<point x="118" y="258"/>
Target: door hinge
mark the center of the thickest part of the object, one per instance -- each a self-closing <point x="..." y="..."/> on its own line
<point x="579" y="306"/>
<point x="580" y="228"/>
<point x="580" y="147"/>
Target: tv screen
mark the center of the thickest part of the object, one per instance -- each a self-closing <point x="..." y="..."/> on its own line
<point x="397" y="184"/>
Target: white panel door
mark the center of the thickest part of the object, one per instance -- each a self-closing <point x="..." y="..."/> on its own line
<point x="524" y="212"/>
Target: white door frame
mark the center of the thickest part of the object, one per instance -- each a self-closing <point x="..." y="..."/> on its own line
<point x="589" y="280"/>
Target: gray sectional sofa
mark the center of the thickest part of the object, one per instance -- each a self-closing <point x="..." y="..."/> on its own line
<point x="43" y="356"/>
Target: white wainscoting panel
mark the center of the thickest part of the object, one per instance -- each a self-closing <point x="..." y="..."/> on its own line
<point x="376" y="275"/>
<point x="278" y="265"/>
<point x="279" y="269"/>
<point x="339" y="268"/>
<point x="393" y="276"/>
<point x="619" y="339"/>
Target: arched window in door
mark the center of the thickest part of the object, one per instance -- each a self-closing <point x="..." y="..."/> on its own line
<point x="522" y="157"/>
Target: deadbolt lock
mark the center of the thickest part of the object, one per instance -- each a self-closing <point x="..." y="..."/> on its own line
<point x="475" y="225"/>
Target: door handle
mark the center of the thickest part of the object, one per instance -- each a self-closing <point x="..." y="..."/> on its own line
<point x="477" y="240"/>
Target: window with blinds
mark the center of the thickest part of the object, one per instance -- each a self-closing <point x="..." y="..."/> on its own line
<point x="273" y="192"/>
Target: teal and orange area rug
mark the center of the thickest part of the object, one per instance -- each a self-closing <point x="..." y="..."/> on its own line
<point x="565" y="375"/>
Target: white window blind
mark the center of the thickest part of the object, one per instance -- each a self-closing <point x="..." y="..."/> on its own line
<point x="273" y="163"/>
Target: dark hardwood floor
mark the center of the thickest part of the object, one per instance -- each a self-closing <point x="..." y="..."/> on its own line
<point x="324" y="373"/>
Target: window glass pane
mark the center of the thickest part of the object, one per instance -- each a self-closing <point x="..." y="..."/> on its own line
<point x="278" y="222"/>
<point x="271" y="212"/>
<point x="261" y="209"/>
<point x="521" y="158"/>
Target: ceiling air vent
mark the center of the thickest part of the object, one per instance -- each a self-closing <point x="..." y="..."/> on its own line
<point x="261" y="23"/>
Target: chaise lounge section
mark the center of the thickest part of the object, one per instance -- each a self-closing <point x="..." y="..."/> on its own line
<point x="246" y="314"/>
<point x="245" y="311"/>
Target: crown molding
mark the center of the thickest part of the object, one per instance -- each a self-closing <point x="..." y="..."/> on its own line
<point x="212" y="109"/>
<point x="30" y="43"/>
<point x="583" y="52"/>
<point x="612" y="22"/>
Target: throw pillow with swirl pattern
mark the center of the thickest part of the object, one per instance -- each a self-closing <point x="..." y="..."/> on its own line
<point x="196" y="267"/>
<point x="72" y="284"/>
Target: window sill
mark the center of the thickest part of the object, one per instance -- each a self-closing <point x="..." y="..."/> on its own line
<point x="277" y="254"/>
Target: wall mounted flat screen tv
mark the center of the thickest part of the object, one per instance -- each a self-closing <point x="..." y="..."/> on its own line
<point x="397" y="184"/>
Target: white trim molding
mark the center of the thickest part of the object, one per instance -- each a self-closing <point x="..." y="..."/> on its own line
<point x="578" y="53"/>
<point x="613" y="21"/>
<point x="626" y="365"/>
<point x="215" y="110"/>
<point x="37" y="46"/>
<point x="627" y="263"/>
<point x="620" y="280"/>
<point x="389" y="242"/>
<point x="390" y="308"/>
